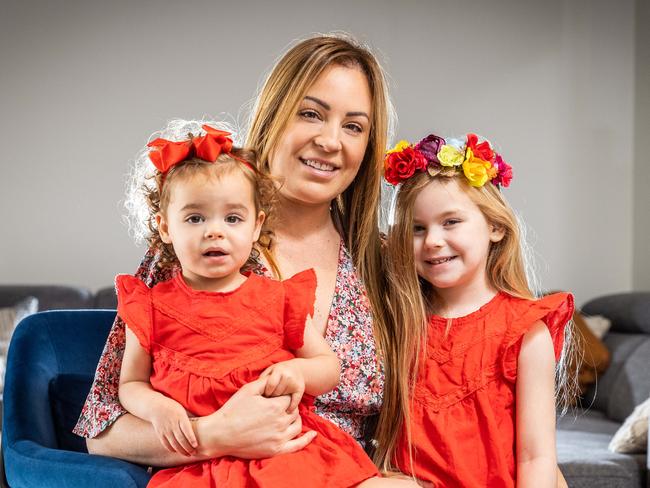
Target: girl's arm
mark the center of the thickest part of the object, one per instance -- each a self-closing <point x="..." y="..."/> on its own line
<point x="535" y="410"/>
<point x="315" y="371"/>
<point x="168" y="417"/>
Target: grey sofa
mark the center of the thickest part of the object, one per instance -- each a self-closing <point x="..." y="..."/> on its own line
<point x="583" y="435"/>
<point x="54" y="297"/>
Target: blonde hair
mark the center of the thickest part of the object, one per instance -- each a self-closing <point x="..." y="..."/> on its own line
<point x="411" y="299"/>
<point x="355" y="211"/>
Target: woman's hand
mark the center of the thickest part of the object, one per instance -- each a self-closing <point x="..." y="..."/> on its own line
<point x="284" y="378"/>
<point x="173" y="426"/>
<point x="251" y="426"/>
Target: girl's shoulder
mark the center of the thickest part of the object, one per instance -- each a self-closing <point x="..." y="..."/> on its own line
<point x="554" y="310"/>
<point x="521" y="313"/>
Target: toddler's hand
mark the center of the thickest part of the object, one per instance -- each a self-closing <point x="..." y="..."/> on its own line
<point x="285" y="378"/>
<point x="173" y="427"/>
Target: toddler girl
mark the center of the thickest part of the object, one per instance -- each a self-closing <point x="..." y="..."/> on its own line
<point x="196" y="338"/>
<point x="479" y="348"/>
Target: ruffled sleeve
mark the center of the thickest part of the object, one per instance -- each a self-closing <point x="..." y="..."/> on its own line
<point x="134" y="307"/>
<point x="554" y="310"/>
<point x="299" y="296"/>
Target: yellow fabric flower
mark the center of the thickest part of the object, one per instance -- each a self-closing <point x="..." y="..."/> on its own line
<point x="450" y="156"/>
<point x="400" y="146"/>
<point x="477" y="171"/>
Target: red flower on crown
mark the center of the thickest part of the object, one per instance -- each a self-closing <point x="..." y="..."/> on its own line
<point x="401" y="165"/>
<point x="482" y="151"/>
<point x="504" y="172"/>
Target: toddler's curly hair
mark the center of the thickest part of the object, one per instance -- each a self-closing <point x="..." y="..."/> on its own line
<point x="158" y="195"/>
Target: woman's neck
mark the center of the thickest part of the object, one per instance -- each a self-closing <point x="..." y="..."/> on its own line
<point x="299" y="221"/>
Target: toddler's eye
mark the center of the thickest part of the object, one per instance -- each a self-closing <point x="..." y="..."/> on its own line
<point x="195" y="219"/>
<point x="233" y="219"/>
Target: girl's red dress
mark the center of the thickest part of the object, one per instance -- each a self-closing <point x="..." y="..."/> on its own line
<point x="463" y="410"/>
<point x="206" y="345"/>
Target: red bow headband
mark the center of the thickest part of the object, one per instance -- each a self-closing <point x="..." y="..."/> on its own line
<point x="167" y="154"/>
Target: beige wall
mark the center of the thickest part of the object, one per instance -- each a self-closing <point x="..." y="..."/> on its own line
<point x="641" y="259"/>
<point x="552" y="83"/>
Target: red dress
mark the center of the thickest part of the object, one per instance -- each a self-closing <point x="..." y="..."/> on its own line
<point x="206" y="345"/>
<point x="463" y="410"/>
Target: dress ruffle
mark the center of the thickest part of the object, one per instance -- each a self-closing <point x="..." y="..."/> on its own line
<point x="554" y="310"/>
<point x="134" y="306"/>
<point x="300" y="293"/>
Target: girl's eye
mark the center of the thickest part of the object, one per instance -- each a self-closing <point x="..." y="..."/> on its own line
<point x="309" y="114"/>
<point x="450" y="222"/>
<point x="418" y="229"/>
<point x="233" y="219"/>
<point x="195" y="219"/>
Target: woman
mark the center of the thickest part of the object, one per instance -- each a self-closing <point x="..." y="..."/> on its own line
<point x="321" y="128"/>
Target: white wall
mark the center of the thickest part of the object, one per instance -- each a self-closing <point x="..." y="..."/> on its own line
<point x="82" y="85"/>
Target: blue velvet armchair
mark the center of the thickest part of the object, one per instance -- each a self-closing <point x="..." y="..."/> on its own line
<point x="50" y="366"/>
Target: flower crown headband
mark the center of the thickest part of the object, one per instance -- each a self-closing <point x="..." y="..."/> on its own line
<point x="477" y="161"/>
<point x="166" y="154"/>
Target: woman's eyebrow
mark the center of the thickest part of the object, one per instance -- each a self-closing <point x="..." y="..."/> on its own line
<point x="326" y="106"/>
<point x="320" y="102"/>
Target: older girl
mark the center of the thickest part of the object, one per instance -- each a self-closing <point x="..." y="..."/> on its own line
<point x="477" y="347"/>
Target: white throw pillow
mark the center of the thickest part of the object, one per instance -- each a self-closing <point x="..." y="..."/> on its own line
<point x="9" y="318"/>
<point x="632" y="436"/>
<point x="598" y="325"/>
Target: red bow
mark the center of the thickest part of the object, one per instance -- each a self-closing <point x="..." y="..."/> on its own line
<point x="167" y="154"/>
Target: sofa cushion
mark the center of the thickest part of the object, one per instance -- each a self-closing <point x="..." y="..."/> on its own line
<point x="629" y="312"/>
<point x="49" y="297"/>
<point x="594" y="355"/>
<point x="106" y="298"/>
<point x="67" y="395"/>
<point x="626" y="382"/>
<point x="583" y="456"/>
<point x="589" y="421"/>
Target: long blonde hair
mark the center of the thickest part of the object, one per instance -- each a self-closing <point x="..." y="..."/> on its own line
<point x="355" y="211"/>
<point x="411" y="299"/>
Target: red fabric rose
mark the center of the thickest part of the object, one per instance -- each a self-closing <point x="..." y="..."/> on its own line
<point x="400" y="166"/>
<point x="504" y="175"/>
<point x="482" y="151"/>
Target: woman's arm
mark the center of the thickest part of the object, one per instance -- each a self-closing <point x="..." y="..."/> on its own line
<point x="248" y="426"/>
<point x="316" y="370"/>
<point x="535" y="410"/>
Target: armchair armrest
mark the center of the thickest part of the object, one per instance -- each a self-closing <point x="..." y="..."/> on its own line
<point x="28" y="464"/>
